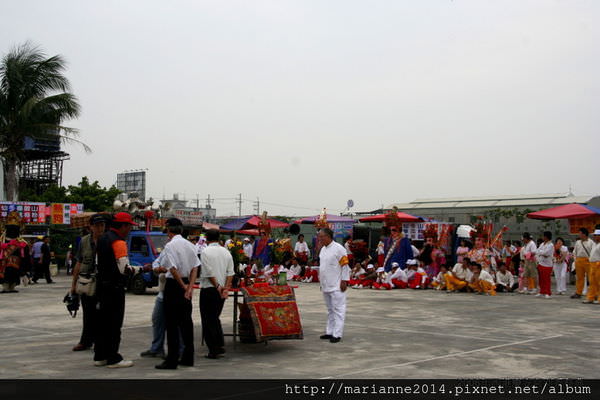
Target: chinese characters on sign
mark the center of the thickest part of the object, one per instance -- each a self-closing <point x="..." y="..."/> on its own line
<point x="36" y="213"/>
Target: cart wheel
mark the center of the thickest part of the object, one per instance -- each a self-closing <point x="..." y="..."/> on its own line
<point x="138" y="284"/>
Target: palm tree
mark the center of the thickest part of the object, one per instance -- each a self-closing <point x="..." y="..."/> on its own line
<point x="34" y="102"/>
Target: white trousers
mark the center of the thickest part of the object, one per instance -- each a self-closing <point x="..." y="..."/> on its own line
<point x="336" y="312"/>
<point x="560" y="274"/>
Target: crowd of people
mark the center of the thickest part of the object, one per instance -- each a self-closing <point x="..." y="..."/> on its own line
<point x="102" y="268"/>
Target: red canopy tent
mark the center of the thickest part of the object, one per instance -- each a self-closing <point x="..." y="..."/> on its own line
<point x="570" y="211"/>
<point x="404" y="217"/>
<point x="579" y="216"/>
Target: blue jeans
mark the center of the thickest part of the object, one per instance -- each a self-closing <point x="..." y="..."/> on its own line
<point x="159" y="328"/>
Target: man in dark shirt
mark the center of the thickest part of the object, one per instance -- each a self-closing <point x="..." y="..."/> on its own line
<point x="113" y="266"/>
<point x="44" y="262"/>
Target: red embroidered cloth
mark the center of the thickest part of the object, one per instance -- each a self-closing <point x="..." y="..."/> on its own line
<point x="274" y="312"/>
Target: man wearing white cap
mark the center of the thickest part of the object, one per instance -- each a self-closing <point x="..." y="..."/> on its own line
<point x="398" y="277"/>
<point x="248" y="248"/>
<point x="334" y="274"/>
<point x="382" y="281"/>
<point x="593" y="294"/>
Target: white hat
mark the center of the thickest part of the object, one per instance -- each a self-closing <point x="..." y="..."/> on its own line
<point x="411" y="262"/>
<point x="395" y="265"/>
<point x="380" y="269"/>
<point x="596" y="232"/>
<point x="370" y="266"/>
<point x="246" y="239"/>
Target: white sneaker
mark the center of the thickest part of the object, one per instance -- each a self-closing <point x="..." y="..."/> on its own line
<point x="586" y="301"/>
<point x="100" y="363"/>
<point x="538" y="295"/>
<point x="360" y="287"/>
<point x="596" y="302"/>
<point x="121" y="364"/>
<point x="547" y="296"/>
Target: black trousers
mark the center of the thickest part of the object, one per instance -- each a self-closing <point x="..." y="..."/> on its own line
<point x="502" y="288"/>
<point x="211" y="305"/>
<point x="178" y="318"/>
<point x="42" y="270"/>
<point x="111" y="301"/>
<point x="90" y="320"/>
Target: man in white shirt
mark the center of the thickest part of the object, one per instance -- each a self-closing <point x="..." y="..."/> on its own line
<point x="295" y="270"/>
<point x="301" y="250"/>
<point x="483" y="281"/>
<point x="543" y="256"/>
<point x="582" y="253"/>
<point x="530" y="273"/>
<point x="248" y="248"/>
<point x="593" y="294"/>
<point x="398" y="277"/>
<point x="334" y="274"/>
<point x="216" y="275"/>
<point x="180" y="259"/>
<point x="505" y="281"/>
<point x="459" y="277"/>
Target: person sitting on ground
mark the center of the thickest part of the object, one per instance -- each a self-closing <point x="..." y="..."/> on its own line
<point x="367" y="280"/>
<point x="398" y="277"/>
<point x="505" y="281"/>
<point x="458" y="279"/>
<point x="482" y="281"/>
<point x="417" y="277"/>
<point x="382" y="280"/>
<point x="439" y="282"/>
<point x="356" y="274"/>
<point x="311" y="273"/>
<point x="295" y="269"/>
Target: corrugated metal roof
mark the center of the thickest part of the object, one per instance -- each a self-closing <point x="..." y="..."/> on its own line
<point x="501" y="201"/>
<point x="492" y="198"/>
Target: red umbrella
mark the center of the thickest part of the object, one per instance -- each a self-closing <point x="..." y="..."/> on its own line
<point x="570" y="211"/>
<point x="404" y="217"/>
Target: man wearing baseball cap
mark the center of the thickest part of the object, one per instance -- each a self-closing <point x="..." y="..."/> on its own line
<point x="113" y="266"/>
<point x="593" y="294"/>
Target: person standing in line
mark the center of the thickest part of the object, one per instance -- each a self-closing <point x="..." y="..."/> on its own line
<point x="581" y="253"/>
<point x="560" y="265"/>
<point x="179" y="258"/>
<point x="36" y="255"/>
<point x="113" y="267"/>
<point x="86" y="267"/>
<point x="334" y="273"/>
<point x="593" y="294"/>
<point x="216" y="275"/>
<point x="247" y="248"/>
<point x="530" y="273"/>
<point x="44" y="264"/>
<point x="544" y="255"/>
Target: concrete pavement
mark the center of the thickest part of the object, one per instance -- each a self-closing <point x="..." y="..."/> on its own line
<point x="389" y="334"/>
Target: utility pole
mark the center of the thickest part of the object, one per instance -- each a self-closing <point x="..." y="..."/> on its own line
<point x="197" y="201"/>
<point x="240" y="204"/>
<point x="208" y="201"/>
<point x="257" y="206"/>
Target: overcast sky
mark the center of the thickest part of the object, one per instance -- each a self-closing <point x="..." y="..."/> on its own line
<point x="311" y="103"/>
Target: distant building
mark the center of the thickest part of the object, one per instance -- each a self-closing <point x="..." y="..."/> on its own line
<point x="132" y="183"/>
<point x="188" y="215"/>
<point x="503" y="210"/>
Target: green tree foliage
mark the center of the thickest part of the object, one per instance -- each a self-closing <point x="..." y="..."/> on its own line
<point x="34" y="102"/>
<point x="93" y="196"/>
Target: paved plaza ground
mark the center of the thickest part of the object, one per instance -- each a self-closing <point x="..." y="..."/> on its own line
<point x="389" y="334"/>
